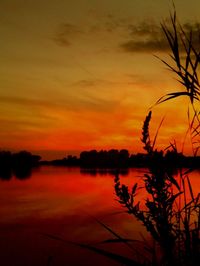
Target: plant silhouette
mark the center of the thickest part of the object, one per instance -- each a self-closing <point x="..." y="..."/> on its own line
<point x="172" y="211"/>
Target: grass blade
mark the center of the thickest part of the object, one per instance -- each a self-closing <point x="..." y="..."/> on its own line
<point x="116" y="257"/>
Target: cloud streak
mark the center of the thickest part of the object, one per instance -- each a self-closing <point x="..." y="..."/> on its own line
<point x="74" y="103"/>
<point x="149" y="37"/>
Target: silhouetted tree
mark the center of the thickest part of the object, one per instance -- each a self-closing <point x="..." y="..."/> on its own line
<point x="19" y="164"/>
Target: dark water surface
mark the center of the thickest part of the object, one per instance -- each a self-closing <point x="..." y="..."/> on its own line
<point x="64" y="203"/>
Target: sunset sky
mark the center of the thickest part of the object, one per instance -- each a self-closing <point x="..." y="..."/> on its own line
<point x="80" y="75"/>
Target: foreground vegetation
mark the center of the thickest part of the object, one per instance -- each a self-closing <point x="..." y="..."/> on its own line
<point x="172" y="212"/>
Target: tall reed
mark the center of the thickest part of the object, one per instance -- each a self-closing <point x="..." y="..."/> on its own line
<point x="185" y="55"/>
<point x="170" y="215"/>
<point x="172" y="212"/>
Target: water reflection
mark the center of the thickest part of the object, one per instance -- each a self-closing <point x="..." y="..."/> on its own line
<point x="62" y="201"/>
<point x="59" y="201"/>
<point x="7" y="174"/>
<point x="104" y="171"/>
<point x="25" y="172"/>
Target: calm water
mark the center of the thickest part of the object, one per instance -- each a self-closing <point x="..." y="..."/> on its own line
<point x="66" y="203"/>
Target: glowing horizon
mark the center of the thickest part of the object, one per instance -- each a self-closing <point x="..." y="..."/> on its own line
<point x="81" y="76"/>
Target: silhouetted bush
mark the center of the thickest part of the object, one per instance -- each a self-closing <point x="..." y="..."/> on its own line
<point x="19" y="164"/>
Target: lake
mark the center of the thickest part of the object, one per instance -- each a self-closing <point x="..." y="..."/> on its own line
<point x="61" y="202"/>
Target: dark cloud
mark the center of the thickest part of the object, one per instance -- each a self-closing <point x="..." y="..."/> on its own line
<point x="65" y="33"/>
<point x="144" y="46"/>
<point x="149" y="37"/>
<point x="146" y="36"/>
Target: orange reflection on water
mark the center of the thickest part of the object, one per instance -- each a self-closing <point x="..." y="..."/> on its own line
<point x="63" y="202"/>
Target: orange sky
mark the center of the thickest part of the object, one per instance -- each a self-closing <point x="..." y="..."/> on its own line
<point x="81" y="74"/>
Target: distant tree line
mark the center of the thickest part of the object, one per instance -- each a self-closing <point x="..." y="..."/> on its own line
<point x="105" y="159"/>
<point x="114" y="158"/>
<point x="18" y="164"/>
<point x="95" y="159"/>
<point x="70" y="160"/>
